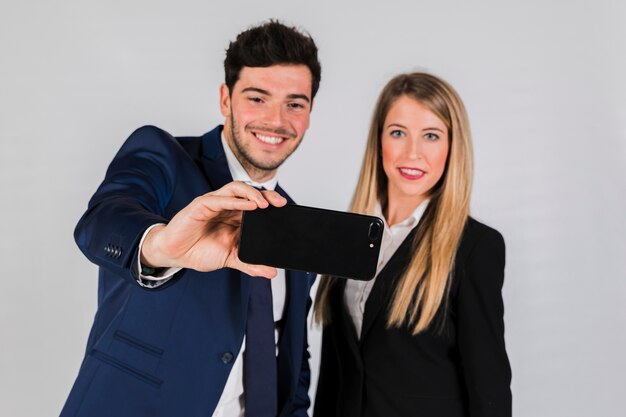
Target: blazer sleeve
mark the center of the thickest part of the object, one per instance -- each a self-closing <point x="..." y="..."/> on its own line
<point x="137" y="186"/>
<point x="480" y="329"/>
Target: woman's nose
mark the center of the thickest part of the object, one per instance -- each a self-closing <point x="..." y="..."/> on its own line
<point x="413" y="149"/>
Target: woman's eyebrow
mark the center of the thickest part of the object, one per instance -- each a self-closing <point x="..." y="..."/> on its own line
<point x="396" y="125"/>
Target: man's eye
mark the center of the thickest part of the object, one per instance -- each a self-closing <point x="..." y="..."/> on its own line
<point x="256" y="99"/>
<point x="431" y="136"/>
<point x="295" y="106"/>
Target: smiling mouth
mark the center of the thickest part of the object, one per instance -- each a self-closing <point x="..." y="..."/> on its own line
<point x="411" y="173"/>
<point x="270" y="140"/>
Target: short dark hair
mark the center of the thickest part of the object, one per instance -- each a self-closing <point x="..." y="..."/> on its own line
<point x="271" y="43"/>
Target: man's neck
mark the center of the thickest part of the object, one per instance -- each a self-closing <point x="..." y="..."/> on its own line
<point x="257" y="175"/>
<point x="240" y="172"/>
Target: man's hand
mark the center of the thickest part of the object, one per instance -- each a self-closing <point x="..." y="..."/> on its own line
<point x="203" y="235"/>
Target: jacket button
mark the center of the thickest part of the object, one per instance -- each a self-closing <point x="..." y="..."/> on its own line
<point x="227" y="358"/>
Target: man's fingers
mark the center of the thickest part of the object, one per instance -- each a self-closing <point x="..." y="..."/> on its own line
<point x="274" y="198"/>
<point x="235" y="196"/>
<point x="243" y="191"/>
<point x="254" y="270"/>
<point x="207" y="206"/>
<point x="259" y="271"/>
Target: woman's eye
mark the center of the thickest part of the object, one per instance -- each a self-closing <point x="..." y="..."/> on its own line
<point x="396" y="133"/>
<point x="431" y="136"/>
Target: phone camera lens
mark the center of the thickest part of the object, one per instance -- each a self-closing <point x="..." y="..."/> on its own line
<point x="374" y="231"/>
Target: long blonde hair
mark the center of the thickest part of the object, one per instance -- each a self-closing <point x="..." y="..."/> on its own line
<point x="424" y="284"/>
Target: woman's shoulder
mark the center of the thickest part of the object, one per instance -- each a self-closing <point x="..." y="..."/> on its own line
<point x="480" y="258"/>
<point x="477" y="233"/>
<point x="475" y="227"/>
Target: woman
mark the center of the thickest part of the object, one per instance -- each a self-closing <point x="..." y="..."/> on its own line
<point x="426" y="336"/>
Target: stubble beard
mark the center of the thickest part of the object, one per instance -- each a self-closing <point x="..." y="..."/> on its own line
<point x="249" y="163"/>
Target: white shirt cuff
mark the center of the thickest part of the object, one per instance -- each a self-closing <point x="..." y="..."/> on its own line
<point x="156" y="280"/>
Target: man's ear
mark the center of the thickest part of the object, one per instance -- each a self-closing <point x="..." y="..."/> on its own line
<point x="225" y="100"/>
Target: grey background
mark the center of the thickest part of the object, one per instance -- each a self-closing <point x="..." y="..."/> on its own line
<point x="543" y="83"/>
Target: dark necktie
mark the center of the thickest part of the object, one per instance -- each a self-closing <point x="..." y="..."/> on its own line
<point x="260" y="380"/>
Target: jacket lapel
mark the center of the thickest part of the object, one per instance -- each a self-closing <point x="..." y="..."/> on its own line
<point x="345" y="326"/>
<point x="385" y="284"/>
<point x="214" y="159"/>
<point x="215" y="167"/>
<point x="297" y="285"/>
<point x="290" y="338"/>
<point x="216" y="171"/>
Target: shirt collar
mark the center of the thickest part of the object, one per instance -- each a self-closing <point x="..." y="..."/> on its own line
<point x="410" y="221"/>
<point x="239" y="173"/>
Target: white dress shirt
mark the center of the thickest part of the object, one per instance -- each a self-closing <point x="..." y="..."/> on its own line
<point x="356" y="292"/>
<point x="231" y="403"/>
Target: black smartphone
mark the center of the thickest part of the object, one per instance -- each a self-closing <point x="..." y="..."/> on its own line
<point x="313" y="240"/>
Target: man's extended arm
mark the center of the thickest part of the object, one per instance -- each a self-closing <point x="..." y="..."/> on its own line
<point x="132" y="197"/>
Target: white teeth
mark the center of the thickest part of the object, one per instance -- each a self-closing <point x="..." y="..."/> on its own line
<point x="412" y="172"/>
<point x="269" y="139"/>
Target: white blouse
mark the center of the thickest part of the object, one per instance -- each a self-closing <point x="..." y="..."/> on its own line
<point x="356" y="292"/>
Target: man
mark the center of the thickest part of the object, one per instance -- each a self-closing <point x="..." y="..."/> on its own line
<point x="183" y="327"/>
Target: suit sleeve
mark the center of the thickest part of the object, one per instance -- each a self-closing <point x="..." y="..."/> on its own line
<point x="132" y="197"/>
<point x="481" y="328"/>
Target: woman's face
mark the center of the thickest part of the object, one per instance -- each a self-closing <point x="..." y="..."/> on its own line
<point x="415" y="147"/>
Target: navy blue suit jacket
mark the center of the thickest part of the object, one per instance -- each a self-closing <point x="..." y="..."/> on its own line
<point x="168" y="351"/>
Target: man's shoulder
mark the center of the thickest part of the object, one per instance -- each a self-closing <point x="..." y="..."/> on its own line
<point x="155" y="150"/>
<point x="153" y="137"/>
<point x="155" y="140"/>
<point x="194" y="144"/>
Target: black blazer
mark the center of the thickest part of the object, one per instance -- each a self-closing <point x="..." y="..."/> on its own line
<point x="462" y="370"/>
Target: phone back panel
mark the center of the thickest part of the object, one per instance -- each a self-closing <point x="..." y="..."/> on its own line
<point x="313" y="240"/>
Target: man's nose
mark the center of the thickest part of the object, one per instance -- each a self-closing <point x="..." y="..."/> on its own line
<point x="274" y="116"/>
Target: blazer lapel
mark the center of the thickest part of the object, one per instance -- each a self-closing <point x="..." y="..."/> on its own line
<point x="216" y="171"/>
<point x="215" y="165"/>
<point x="381" y="293"/>
<point x="289" y="344"/>
<point x="214" y="159"/>
<point x="345" y="326"/>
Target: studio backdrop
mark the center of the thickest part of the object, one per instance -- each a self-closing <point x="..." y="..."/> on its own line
<point x="544" y="85"/>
